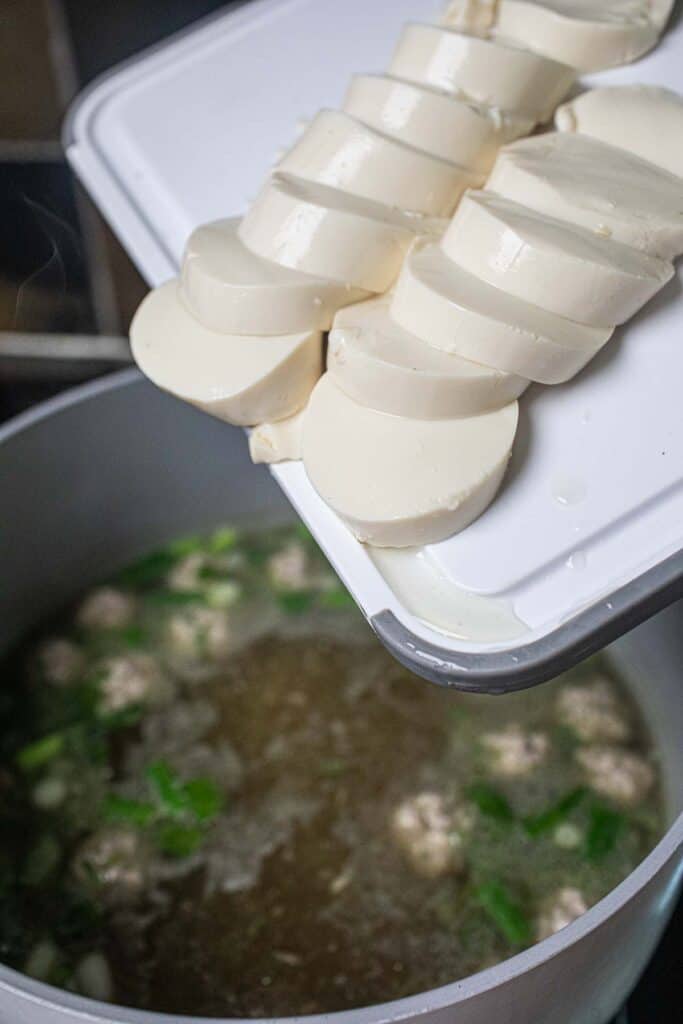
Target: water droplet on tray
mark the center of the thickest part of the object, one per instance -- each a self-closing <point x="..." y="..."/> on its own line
<point x="577" y="561"/>
<point x="568" y="490"/>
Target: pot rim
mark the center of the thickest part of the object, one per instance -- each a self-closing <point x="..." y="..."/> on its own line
<point x="669" y="848"/>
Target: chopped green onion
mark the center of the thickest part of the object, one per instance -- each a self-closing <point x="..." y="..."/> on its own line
<point x="223" y="540"/>
<point x="604" y="828"/>
<point x="508" y="917"/>
<point x="295" y="602"/>
<point x="136" y="812"/>
<point x="332" y="768"/>
<point x="223" y="595"/>
<point x="211" y="574"/>
<point x="39" y="753"/>
<point x="458" y="713"/>
<point x="134" y="637"/>
<point x="167" y="787"/>
<point x="549" y="819"/>
<point x="148" y="570"/>
<point x="491" y="802"/>
<point x="254" y="555"/>
<point x="180" y="840"/>
<point x="186" y="546"/>
<point x="203" y="798"/>
<point x="200" y="798"/>
<point x="336" y="598"/>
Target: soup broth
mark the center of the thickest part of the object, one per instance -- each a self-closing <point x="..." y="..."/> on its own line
<point x="220" y="796"/>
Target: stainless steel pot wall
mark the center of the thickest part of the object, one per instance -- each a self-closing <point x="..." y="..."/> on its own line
<point x="90" y="480"/>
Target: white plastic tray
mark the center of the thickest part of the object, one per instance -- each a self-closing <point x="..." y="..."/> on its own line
<point x="586" y="538"/>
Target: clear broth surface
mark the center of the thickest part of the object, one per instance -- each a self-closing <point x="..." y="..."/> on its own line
<point x="220" y="796"/>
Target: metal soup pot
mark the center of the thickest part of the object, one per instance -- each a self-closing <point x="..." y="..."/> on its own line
<point x="90" y="480"/>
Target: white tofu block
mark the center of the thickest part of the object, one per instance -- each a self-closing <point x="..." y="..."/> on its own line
<point x="340" y="151"/>
<point x="277" y="442"/>
<point x="230" y="289"/>
<point x="587" y="182"/>
<point x="381" y="365"/>
<point x="447" y="307"/>
<point x="558" y="266"/>
<point x="401" y="482"/>
<point x="487" y="70"/>
<point x="240" y="379"/>
<point x="460" y="130"/>
<point x="322" y="231"/>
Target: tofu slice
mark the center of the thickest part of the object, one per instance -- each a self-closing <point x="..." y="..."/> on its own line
<point x="587" y="182"/>
<point x="471" y="15"/>
<point x="277" y="442"/>
<point x="447" y="307"/>
<point x="587" y="34"/>
<point x="340" y="151"/>
<point x="660" y="11"/>
<point x="240" y="379"/>
<point x="381" y="365"/>
<point x="454" y="129"/>
<point x="401" y="482"/>
<point x="230" y="289"/>
<point x="643" y="119"/>
<point x="558" y="266"/>
<point x="322" y="231"/>
<point x="487" y="70"/>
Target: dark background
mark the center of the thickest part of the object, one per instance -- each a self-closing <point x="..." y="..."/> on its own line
<point x="64" y="279"/>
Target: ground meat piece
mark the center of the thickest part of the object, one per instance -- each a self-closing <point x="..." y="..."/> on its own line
<point x="61" y="662"/>
<point x="617" y="774"/>
<point x="425" y="831"/>
<point x="593" y="712"/>
<point x="106" y="608"/>
<point x="132" y="679"/>
<point x="42" y="961"/>
<point x="187" y="574"/>
<point x="560" y="910"/>
<point x="200" y="634"/>
<point x="514" y="752"/>
<point x="50" y="793"/>
<point x="93" y="978"/>
<point x="288" y="569"/>
<point x="115" y="861"/>
<point x="568" y="836"/>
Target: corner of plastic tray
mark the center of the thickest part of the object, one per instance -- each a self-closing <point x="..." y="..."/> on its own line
<point x="501" y="672"/>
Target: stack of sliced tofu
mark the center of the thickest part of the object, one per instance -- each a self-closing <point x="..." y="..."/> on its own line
<point x="570" y="239"/>
<point x="240" y="333"/>
<point x="438" y="324"/>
